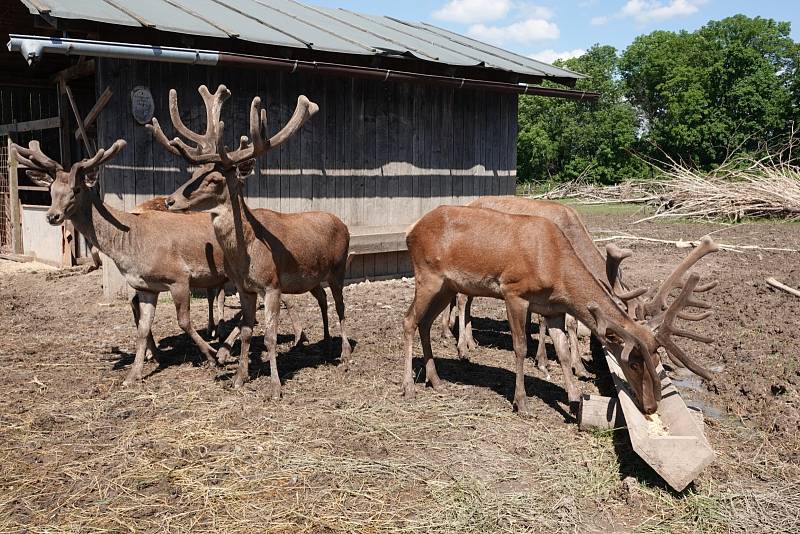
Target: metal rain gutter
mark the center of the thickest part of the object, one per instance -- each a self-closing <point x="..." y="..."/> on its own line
<point x="33" y="47"/>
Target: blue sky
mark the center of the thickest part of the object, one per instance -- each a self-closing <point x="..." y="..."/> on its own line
<point x="548" y="29"/>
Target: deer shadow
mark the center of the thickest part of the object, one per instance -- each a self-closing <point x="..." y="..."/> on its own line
<point x="179" y="349"/>
<point x="496" y="334"/>
<point x="499" y="380"/>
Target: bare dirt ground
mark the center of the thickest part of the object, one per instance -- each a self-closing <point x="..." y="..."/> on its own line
<point x="342" y="451"/>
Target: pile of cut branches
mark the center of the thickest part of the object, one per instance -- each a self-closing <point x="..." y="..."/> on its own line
<point x="742" y="187"/>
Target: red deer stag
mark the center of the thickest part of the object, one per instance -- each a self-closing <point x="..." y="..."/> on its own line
<point x="216" y="296"/>
<point x="155" y="251"/>
<point x="532" y="264"/>
<point x="568" y="220"/>
<point x="265" y="251"/>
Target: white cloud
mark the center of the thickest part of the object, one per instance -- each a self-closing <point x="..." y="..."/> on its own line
<point x="644" y="11"/>
<point x="550" y="55"/>
<point x="523" y="31"/>
<point x="473" y="11"/>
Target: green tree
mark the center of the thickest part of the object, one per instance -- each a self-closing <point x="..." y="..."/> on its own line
<point x="561" y="140"/>
<point x="732" y="84"/>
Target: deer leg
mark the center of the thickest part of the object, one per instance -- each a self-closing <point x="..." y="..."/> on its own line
<point x="337" y="287"/>
<point x="272" y="309"/>
<point x="322" y="300"/>
<point x="211" y="297"/>
<point x="147" y="310"/>
<point x="464" y="331"/>
<point x="224" y="351"/>
<point x="297" y="325"/>
<point x="571" y="325"/>
<point x="249" y="302"/>
<point x="423" y="294"/>
<point x="448" y="320"/>
<point x="517" y="314"/>
<point x="435" y="307"/>
<point x="541" y="349"/>
<point x="182" y="297"/>
<point x="152" y="351"/>
<point x="555" y="326"/>
<point x="471" y="343"/>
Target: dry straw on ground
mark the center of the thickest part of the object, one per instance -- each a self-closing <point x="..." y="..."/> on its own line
<point x="742" y="187"/>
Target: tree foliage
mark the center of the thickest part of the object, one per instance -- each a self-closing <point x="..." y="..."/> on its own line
<point x="695" y="96"/>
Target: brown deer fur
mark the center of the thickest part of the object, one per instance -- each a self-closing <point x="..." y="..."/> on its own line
<point x="571" y="224"/>
<point x="155" y="251"/>
<point x="530" y="264"/>
<point x="266" y="252"/>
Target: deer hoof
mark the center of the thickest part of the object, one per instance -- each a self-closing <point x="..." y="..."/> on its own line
<point x="132" y="381"/>
<point x="238" y="381"/>
<point x="521" y="406"/>
<point x="223" y="355"/>
<point x="408" y="390"/>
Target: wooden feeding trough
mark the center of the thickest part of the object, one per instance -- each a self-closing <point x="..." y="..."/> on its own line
<point x="672" y="441"/>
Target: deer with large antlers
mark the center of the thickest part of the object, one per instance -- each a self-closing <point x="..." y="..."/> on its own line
<point x="266" y="252"/>
<point x="155" y="251"/>
<point x="216" y="296"/>
<point x="531" y="264"/>
<point x="568" y="220"/>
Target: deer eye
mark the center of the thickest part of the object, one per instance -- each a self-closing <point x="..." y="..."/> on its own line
<point x="636" y="366"/>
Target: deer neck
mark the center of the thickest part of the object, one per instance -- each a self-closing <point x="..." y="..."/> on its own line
<point x="594" y="292"/>
<point x="104" y="227"/>
<point x="231" y="222"/>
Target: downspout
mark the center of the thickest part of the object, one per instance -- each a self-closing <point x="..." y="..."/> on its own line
<point x="33" y="47"/>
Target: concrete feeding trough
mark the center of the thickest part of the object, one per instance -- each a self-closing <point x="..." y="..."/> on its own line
<point x="672" y="441"/>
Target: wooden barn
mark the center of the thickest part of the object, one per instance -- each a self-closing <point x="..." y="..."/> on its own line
<point x="411" y="115"/>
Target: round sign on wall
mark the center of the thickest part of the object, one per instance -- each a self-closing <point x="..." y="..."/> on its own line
<point x="142" y="105"/>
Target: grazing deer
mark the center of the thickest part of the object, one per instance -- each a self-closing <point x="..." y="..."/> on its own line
<point x="531" y="264"/>
<point x="155" y="251"/>
<point x="265" y="251"/>
<point x="568" y="220"/>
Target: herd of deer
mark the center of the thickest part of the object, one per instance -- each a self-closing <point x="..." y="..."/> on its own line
<point x="540" y="259"/>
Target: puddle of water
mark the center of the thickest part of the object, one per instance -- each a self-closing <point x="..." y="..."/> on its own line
<point x="709" y="410"/>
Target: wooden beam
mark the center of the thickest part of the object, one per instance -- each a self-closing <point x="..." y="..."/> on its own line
<point x="30" y="126"/>
<point x="82" y="69"/>
<point x="377" y="239"/>
<point x="89" y="150"/>
<point x="16" y="226"/>
<point x="95" y="111"/>
<point x="32" y="188"/>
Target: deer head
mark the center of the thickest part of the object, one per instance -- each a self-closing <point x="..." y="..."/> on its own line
<point x="653" y="324"/>
<point x="221" y="171"/>
<point x="68" y="189"/>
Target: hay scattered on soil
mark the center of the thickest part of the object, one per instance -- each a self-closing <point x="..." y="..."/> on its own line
<point x="740" y="188"/>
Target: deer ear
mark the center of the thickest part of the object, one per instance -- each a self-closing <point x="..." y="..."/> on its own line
<point x="40" y="178"/>
<point x="90" y="178"/>
<point x="245" y="168"/>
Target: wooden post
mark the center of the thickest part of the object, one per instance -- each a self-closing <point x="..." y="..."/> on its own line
<point x="13" y="184"/>
<point x="69" y="249"/>
<point x="599" y="413"/>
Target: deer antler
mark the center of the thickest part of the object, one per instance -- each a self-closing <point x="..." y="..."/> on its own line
<point x="665" y="325"/>
<point x="33" y="158"/>
<point x="103" y="155"/>
<point x="614" y="257"/>
<point x="210" y="147"/>
<point x="206" y="144"/>
<point x="659" y="301"/>
<point x="630" y="341"/>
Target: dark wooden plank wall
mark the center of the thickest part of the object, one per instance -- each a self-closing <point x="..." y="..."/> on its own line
<point x="377" y="154"/>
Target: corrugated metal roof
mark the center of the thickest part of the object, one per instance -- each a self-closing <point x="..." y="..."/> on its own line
<point x="292" y="24"/>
